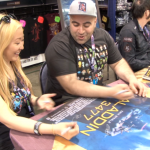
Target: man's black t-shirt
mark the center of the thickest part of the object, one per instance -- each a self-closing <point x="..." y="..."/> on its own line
<point x="65" y="56"/>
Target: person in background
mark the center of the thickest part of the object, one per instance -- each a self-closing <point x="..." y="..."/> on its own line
<point x="134" y="39"/>
<point x="77" y="56"/>
<point x="16" y="96"/>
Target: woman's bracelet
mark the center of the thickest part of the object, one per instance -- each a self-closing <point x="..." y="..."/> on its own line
<point x="36" y="101"/>
<point x="36" y="128"/>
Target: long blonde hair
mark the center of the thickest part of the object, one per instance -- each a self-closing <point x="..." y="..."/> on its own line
<point x="7" y="32"/>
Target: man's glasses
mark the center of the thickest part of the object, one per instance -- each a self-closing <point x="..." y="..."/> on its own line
<point x="7" y="18"/>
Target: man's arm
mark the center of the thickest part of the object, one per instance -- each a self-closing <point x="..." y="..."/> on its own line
<point x="124" y="71"/>
<point x="81" y="88"/>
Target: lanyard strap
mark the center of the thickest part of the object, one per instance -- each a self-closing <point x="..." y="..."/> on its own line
<point x="93" y="48"/>
<point x="91" y="61"/>
<point x="146" y="33"/>
<point x="93" y="52"/>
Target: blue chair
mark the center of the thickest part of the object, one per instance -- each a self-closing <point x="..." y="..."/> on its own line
<point x="43" y="77"/>
<point x="43" y="82"/>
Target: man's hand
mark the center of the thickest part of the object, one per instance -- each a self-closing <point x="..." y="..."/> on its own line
<point x="127" y="75"/>
<point x="138" y="87"/>
<point x="118" y="94"/>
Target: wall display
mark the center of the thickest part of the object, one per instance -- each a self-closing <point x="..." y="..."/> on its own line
<point x="107" y="123"/>
<point x="50" y="1"/>
<point x="33" y="60"/>
<point x="64" y="9"/>
<point x="11" y="3"/>
<point x="103" y="2"/>
<point x="38" y="30"/>
<point x="123" y="15"/>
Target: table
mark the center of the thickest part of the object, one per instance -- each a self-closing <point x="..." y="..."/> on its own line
<point x="139" y="75"/>
<point x="24" y="141"/>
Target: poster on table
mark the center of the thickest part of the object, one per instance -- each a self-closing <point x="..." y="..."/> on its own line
<point x="107" y="124"/>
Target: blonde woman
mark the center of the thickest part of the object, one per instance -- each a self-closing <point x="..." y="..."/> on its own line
<point x="16" y="97"/>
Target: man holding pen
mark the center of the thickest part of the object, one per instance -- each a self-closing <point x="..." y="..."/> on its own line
<point x="77" y="56"/>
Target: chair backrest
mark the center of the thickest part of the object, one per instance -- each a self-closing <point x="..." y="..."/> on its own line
<point x="43" y="77"/>
<point x="43" y="81"/>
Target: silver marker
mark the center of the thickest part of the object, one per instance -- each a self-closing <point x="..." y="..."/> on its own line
<point x="48" y="101"/>
<point x="122" y="91"/>
<point x="66" y="130"/>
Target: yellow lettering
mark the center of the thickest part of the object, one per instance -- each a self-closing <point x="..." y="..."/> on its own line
<point x="122" y="102"/>
<point x="94" y="125"/>
<point x="110" y="115"/>
<point x="105" y="103"/>
<point x="87" y="117"/>
<point x="100" y="107"/>
<point x="114" y="109"/>
<point x="94" y="113"/>
<point x="126" y="101"/>
<point x="101" y="123"/>
<point x="84" y="131"/>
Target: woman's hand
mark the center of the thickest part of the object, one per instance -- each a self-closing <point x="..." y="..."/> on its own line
<point x="45" y="102"/>
<point x="61" y="127"/>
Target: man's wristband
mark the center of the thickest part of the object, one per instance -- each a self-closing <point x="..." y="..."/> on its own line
<point x="36" y="128"/>
<point x="36" y="101"/>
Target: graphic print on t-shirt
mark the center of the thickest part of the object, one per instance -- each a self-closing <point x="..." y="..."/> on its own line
<point x="35" y="32"/>
<point x="20" y="96"/>
<point x="54" y="28"/>
<point x="91" y="73"/>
